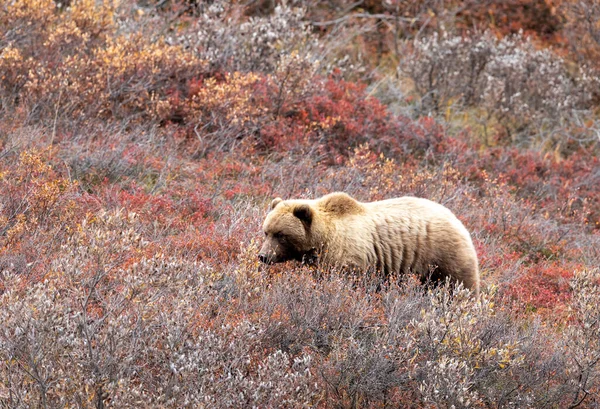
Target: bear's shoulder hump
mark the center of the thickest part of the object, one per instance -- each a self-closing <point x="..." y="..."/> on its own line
<point x="340" y="203"/>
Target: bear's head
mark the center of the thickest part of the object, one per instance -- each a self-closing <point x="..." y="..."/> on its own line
<point x="288" y="229"/>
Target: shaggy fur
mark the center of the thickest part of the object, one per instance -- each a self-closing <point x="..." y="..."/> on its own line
<point x="401" y="235"/>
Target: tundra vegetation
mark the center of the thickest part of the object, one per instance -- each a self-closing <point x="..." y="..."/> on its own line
<point x="142" y="140"/>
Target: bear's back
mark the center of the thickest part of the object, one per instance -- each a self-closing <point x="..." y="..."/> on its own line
<point x="416" y="212"/>
<point x="408" y="234"/>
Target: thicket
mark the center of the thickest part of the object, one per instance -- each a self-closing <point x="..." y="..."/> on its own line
<point x="142" y="141"/>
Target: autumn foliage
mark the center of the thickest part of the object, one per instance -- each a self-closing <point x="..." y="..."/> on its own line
<point x="140" y="143"/>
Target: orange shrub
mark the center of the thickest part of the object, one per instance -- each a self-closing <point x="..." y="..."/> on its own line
<point x="37" y="209"/>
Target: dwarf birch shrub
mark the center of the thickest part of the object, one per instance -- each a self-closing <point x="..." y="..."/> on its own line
<point x="525" y="89"/>
<point x="231" y="42"/>
<point x="72" y="65"/>
<point x="456" y="352"/>
<point x="582" y="340"/>
<point x="111" y="326"/>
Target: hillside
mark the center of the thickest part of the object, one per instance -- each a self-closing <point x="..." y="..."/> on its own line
<point x="142" y="141"/>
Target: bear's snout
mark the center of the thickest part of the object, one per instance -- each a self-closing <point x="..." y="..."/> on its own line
<point x="270" y="253"/>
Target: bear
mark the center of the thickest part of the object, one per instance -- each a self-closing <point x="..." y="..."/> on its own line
<point x="393" y="236"/>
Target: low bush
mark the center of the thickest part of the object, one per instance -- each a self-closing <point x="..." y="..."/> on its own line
<point x="531" y="93"/>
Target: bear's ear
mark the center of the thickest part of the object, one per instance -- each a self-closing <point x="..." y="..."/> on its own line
<point x="304" y="213"/>
<point x="274" y="203"/>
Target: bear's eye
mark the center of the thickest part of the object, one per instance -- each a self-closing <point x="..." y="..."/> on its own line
<point x="278" y="235"/>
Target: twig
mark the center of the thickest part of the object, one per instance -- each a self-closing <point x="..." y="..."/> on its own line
<point x="55" y="118"/>
<point x="360" y="15"/>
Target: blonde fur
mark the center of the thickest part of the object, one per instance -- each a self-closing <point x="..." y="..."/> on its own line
<point x="400" y="235"/>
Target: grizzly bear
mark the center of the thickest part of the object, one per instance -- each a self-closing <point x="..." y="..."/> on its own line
<point x="402" y="235"/>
